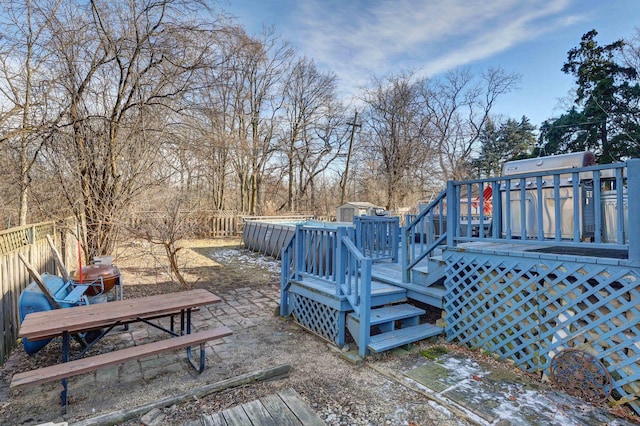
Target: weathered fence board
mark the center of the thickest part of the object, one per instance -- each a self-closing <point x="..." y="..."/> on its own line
<point x="31" y="242"/>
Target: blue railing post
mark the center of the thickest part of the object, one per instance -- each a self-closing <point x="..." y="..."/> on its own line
<point x="340" y="260"/>
<point x="299" y="255"/>
<point x="453" y="221"/>
<point x="404" y="256"/>
<point x="365" y="307"/>
<point x="358" y="240"/>
<point x="633" y="210"/>
<point x="285" y="269"/>
<point x="395" y="239"/>
<point x="496" y="210"/>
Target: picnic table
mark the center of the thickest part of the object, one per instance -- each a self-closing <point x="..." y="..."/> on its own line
<point x="106" y="316"/>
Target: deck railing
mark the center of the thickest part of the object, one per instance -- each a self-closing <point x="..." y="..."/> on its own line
<point x="378" y="237"/>
<point x="315" y="248"/>
<point x="287" y="270"/>
<point x="576" y="207"/>
<point x="569" y="208"/>
<point x="328" y="253"/>
<point x="354" y="282"/>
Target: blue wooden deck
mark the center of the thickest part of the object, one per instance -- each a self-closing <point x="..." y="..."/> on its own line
<point x="526" y="293"/>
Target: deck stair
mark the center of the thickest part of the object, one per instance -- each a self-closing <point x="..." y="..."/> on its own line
<point x="426" y="284"/>
<point x="336" y="280"/>
<point x="398" y="325"/>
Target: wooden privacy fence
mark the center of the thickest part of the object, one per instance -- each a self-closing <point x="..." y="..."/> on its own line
<point x="226" y="223"/>
<point x="31" y="242"/>
<point x="207" y="223"/>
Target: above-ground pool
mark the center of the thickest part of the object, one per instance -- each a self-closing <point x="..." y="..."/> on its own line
<point x="269" y="236"/>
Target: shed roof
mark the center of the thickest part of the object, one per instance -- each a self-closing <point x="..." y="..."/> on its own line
<point x="359" y="204"/>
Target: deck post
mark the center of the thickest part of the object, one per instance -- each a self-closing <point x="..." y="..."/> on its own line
<point x="633" y="182"/>
<point x="340" y="259"/>
<point x="299" y="253"/>
<point x="404" y="255"/>
<point x="365" y="307"/>
<point x="453" y="221"/>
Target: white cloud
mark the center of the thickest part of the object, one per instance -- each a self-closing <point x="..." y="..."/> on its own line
<point x="359" y="38"/>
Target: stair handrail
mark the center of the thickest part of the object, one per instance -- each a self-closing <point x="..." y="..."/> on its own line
<point x="414" y="251"/>
<point x="353" y="278"/>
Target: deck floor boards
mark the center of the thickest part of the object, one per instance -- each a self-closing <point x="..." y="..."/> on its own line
<point x="377" y="288"/>
<point x="286" y="408"/>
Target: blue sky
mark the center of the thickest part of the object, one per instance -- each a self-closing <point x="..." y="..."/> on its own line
<point x="359" y="38"/>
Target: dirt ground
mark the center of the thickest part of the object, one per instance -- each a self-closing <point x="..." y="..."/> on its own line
<point x="342" y="393"/>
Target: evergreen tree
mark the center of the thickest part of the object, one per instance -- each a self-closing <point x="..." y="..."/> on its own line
<point x="513" y="140"/>
<point x="604" y="116"/>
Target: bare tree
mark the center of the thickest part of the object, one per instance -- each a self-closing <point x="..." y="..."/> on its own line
<point x="220" y="119"/>
<point x="122" y="66"/>
<point x="308" y="95"/>
<point x="458" y="107"/>
<point x="169" y="224"/>
<point x="319" y="154"/>
<point x="24" y="89"/>
<point x="397" y="143"/>
<point x="260" y="71"/>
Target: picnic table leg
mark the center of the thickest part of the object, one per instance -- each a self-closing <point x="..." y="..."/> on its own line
<point x="65" y="358"/>
<point x="198" y="368"/>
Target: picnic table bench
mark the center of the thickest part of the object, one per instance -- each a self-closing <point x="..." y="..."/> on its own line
<point x="106" y="316"/>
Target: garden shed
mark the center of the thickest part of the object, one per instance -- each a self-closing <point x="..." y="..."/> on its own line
<point x="351" y="209"/>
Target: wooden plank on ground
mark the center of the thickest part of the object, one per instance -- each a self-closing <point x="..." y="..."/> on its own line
<point x="120" y="416"/>
<point x="258" y="414"/>
<point x="300" y="408"/>
<point x="279" y="411"/>
<point x="236" y="416"/>
<point x="216" y="419"/>
<point x="286" y="408"/>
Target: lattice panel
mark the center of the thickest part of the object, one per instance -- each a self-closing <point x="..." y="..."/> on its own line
<point x="315" y="316"/>
<point x="492" y="305"/>
<point x="528" y="311"/>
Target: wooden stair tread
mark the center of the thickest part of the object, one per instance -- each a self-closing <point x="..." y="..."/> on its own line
<point x="392" y="313"/>
<point x="403" y="336"/>
<point x="84" y="365"/>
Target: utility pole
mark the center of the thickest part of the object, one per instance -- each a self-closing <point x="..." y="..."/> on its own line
<point x="343" y="181"/>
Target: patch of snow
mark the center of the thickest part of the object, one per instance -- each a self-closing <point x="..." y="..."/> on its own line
<point x="237" y="255"/>
<point x="461" y="369"/>
<point x="443" y="410"/>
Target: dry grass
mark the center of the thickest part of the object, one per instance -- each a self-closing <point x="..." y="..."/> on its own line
<point x="143" y="263"/>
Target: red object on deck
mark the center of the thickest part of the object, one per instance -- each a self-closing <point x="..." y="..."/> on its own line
<point x="487" y="205"/>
